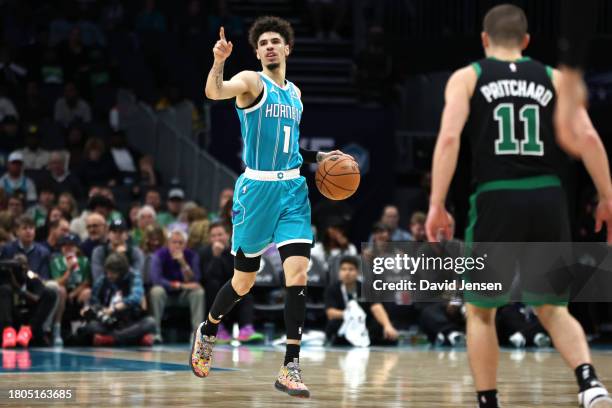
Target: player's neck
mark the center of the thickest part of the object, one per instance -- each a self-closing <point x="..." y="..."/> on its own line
<point x="504" y="54"/>
<point x="277" y="75"/>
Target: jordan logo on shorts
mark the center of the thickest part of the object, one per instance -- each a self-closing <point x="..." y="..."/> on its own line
<point x="301" y="293"/>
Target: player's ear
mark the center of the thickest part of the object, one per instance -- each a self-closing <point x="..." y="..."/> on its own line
<point x="256" y="54"/>
<point x="287" y="50"/>
<point x="525" y="41"/>
<point x="486" y="41"/>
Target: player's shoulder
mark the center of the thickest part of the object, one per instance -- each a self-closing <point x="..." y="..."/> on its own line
<point x="248" y="75"/>
<point x="464" y="77"/>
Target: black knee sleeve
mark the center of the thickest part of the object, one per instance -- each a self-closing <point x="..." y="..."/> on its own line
<point x="244" y="264"/>
<point x="295" y="311"/>
<point x="295" y="249"/>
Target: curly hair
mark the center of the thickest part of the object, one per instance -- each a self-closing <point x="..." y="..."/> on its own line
<point x="271" y="24"/>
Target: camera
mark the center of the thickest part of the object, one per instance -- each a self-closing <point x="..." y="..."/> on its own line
<point x="96" y="312"/>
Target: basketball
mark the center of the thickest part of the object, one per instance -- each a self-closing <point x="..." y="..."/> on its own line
<point x="338" y="177"/>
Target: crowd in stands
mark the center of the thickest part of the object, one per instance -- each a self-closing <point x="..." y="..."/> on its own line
<point x="80" y="265"/>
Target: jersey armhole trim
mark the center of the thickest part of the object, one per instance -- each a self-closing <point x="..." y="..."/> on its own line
<point x="260" y="103"/>
<point x="549" y="72"/>
<point x="477" y="68"/>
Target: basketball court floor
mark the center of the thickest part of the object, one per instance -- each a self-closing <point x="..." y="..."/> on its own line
<point x="408" y="376"/>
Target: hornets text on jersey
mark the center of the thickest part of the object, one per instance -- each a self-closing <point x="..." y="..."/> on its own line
<point x="271" y="128"/>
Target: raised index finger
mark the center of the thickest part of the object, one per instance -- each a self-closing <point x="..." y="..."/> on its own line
<point x="222" y="33"/>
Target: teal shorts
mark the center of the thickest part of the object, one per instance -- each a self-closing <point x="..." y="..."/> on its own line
<point x="266" y="212"/>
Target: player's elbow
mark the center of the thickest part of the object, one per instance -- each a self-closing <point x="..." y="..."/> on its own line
<point x="448" y="141"/>
<point x="210" y="94"/>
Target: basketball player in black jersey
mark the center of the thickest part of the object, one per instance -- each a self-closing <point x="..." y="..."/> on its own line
<point x="505" y="104"/>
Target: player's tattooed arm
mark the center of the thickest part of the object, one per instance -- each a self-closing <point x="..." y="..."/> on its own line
<point x="246" y="82"/>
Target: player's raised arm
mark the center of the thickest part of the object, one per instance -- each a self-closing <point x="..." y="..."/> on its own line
<point x="579" y="138"/>
<point x="456" y="110"/>
<point x="242" y="83"/>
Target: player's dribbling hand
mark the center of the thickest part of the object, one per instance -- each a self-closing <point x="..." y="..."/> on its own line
<point x="335" y="153"/>
<point x="438" y="225"/>
<point x="603" y="215"/>
<point x="223" y="48"/>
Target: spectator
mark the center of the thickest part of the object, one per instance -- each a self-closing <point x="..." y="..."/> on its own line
<point x="334" y="243"/>
<point x="147" y="175"/>
<point x="68" y="205"/>
<point x="117" y="243"/>
<point x="11" y="73"/>
<point x="51" y="70"/>
<point x="36" y="254"/>
<point x="227" y="194"/>
<point x="217" y="266"/>
<point x="7" y="108"/>
<point x="153" y="198"/>
<point x="123" y="158"/>
<point x="443" y="322"/>
<point x="379" y="240"/>
<point x="59" y="178"/>
<point x="71" y="271"/>
<point x="390" y="217"/>
<point x="57" y="230"/>
<point x="145" y="217"/>
<point x="153" y="239"/>
<point x="150" y="19"/>
<point x="118" y="294"/>
<point x="198" y="233"/>
<point x="15" y="180"/>
<point x="40" y="210"/>
<point x="54" y="214"/>
<point x="7" y="223"/>
<point x="174" y="206"/>
<point x="97" y="167"/>
<point x="338" y="296"/>
<point x="75" y="142"/>
<point x="75" y="56"/>
<point x="332" y="9"/>
<point x="5" y="237"/>
<point x="10" y="139"/>
<point x="518" y="326"/>
<point x="417" y="226"/>
<point x="33" y="109"/>
<point x="189" y="214"/>
<point x="96" y="231"/>
<point x="71" y="107"/>
<point x="34" y="158"/>
<point x="40" y="302"/>
<point x="16" y="204"/>
<point x="175" y="273"/>
<point x="97" y="204"/>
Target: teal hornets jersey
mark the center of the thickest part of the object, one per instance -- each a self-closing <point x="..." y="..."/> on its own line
<point x="271" y="128"/>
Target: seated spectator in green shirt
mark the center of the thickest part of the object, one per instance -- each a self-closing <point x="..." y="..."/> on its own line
<point x="175" y="202"/>
<point x="146" y="216"/>
<point x="72" y="272"/>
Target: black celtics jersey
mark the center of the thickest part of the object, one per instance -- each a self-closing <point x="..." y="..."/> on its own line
<point x="510" y="126"/>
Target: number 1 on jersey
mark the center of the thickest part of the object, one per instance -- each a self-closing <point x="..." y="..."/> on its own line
<point x="287" y="130"/>
<point x="506" y="143"/>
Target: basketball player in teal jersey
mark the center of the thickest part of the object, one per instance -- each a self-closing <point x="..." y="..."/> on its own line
<point x="505" y="104"/>
<point x="270" y="202"/>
